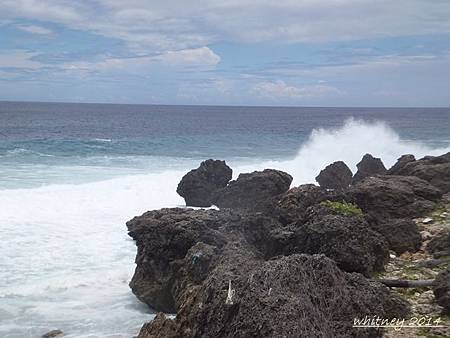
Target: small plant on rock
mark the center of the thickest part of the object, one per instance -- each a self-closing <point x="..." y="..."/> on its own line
<point x="343" y="208"/>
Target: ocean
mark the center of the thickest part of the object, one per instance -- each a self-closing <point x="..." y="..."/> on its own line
<point x="71" y="175"/>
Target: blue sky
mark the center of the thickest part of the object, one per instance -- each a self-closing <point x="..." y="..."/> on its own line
<point x="240" y="52"/>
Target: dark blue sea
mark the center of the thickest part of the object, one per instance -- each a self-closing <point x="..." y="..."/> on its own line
<point x="71" y="175"/>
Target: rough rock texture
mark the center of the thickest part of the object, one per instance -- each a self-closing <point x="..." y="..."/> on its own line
<point x="292" y="205"/>
<point x="53" y="334"/>
<point x="401" y="162"/>
<point x="347" y="240"/>
<point x="401" y="234"/>
<point x="198" y="186"/>
<point x="440" y="243"/>
<point x="294" y="296"/>
<point x="252" y="191"/>
<point x="369" y="166"/>
<point x="335" y="176"/>
<point x="434" y="169"/>
<point x="159" y="327"/>
<point x="441" y="289"/>
<point x="275" y="262"/>
<point x="167" y="237"/>
<point x="385" y="197"/>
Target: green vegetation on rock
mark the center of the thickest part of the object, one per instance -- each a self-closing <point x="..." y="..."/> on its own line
<point x="343" y="208"/>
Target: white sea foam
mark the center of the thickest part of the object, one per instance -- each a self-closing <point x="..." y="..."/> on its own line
<point x="65" y="258"/>
<point x="348" y="143"/>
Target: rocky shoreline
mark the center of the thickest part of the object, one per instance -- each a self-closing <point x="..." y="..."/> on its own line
<point x="306" y="261"/>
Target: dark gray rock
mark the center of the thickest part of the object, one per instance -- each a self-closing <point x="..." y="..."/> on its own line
<point x="52" y="334"/>
<point x="433" y="169"/>
<point x="198" y="186"/>
<point x="439" y="243"/>
<point x="293" y="296"/>
<point x="401" y="162"/>
<point x="347" y="240"/>
<point x="369" y="166"/>
<point x="253" y="190"/>
<point x="441" y="289"/>
<point x="178" y="244"/>
<point x="384" y="197"/>
<point x="292" y="205"/>
<point x="335" y="176"/>
<point x="401" y="235"/>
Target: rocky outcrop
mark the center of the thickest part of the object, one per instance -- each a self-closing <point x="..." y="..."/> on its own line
<point x="402" y="234"/>
<point x="170" y="239"/>
<point x="441" y="289"/>
<point x="198" y="186"/>
<point x="400" y="164"/>
<point x="369" y="166"/>
<point x="159" y="327"/>
<point x="433" y="169"/>
<point x="385" y="197"/>
<point x="348" y="240"/>
<point x="274" y="262"/>
<point x="293" y="296"/>
<point x="335" y="176"/>
<point x="53" y="334"/>
<point x="252" y="191"/>
<point x="291" y="206"/>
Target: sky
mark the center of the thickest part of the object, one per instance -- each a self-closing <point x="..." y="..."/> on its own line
<point x="227" y="52"/>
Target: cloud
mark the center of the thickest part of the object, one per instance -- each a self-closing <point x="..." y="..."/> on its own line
<point x="33" y="29"/>
<point x="19" y="59"/>
<point x="202" y="57"/>
<point x="173" y="25"/>
<point x="280" y="90"/>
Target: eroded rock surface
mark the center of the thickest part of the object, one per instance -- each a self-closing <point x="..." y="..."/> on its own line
<point x="369" y="166"/>
<point x="337" y="175"/>
<point x="386" y="196"/>
<point x="198" y="186"/>
<point x="433" y="169"/>
<point x="253" y="190"/>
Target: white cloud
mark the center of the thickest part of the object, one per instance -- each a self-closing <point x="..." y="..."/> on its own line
<point x="18" y="59"/>
<point x="280" y="90"/>
<point x="202" y="57"/>
<point x="176" y="24"/>
<point x="33" y="29"/>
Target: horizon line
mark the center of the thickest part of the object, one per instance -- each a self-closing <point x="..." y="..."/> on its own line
<point x="223" y="105"/>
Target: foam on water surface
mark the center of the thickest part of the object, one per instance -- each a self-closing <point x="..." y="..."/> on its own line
<point x="66" y="259"/>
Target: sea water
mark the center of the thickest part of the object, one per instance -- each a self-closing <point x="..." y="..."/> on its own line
<point x="71" y="175"/>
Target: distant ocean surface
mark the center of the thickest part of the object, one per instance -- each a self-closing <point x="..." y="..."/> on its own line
<point x="71" y="175"/>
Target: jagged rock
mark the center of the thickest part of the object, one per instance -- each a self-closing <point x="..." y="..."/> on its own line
<point x="439" y="243"/>
<point x="335" y="176"/>
<point x="159" y="327"/>
<point x="369" y="166"/>
<point x="198" y="186"/>
<point x="253" y="190"/>
<point x="347" y="240"/>
<point x="292" y="205"/>
<point x="401" y="235"/>
<point x="175" y="242"/>
<point x="294" y="296"/>
<point x="433" y="169"/>
<point x="52" y="334"/>
<point x="441" y="289"/>
<point x="386" y="196"/>
<point x="401" y="162"/>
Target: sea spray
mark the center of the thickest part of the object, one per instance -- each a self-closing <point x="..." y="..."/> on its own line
<point x="347" y="143"/>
